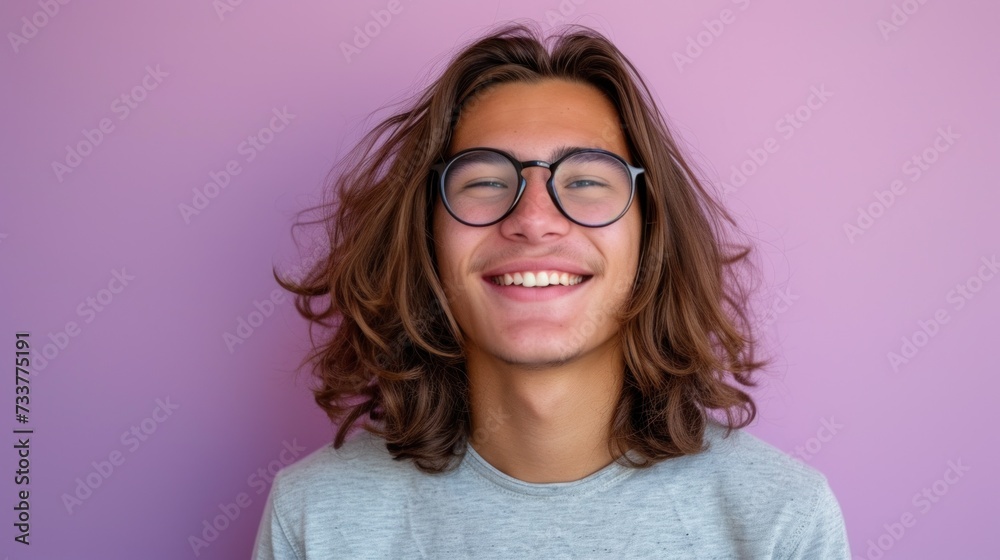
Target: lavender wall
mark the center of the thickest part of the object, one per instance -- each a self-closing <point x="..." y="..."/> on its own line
<point x="854" y="139"/>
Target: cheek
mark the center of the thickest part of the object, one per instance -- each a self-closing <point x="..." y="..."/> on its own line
<point x="437" y="234"/>
<point x="627" y="231"/>
<point x="626" y="244"/>
<point x="449" y="249"/>
<point x="442" y="236"/>
<point x="636" y="219"/>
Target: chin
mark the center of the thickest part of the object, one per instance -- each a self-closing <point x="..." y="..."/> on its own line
<point x="556" y="353"/>
<point x="537" y="362"/>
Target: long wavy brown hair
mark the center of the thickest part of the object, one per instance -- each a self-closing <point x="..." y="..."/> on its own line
<point x="389" y="357"/>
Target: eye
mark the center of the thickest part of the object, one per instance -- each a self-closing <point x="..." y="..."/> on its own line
<point x="486" y="183"/>
<point x="583" y="183"/>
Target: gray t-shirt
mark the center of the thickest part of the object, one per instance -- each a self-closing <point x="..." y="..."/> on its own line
<point x="741" y="498"/>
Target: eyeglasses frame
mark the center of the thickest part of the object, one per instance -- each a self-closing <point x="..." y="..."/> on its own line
<point x="442" y="169"/>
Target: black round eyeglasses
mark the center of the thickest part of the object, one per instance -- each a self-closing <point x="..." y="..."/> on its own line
<point x="482" y="186"/>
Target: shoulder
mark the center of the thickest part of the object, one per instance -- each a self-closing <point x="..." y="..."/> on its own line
<point x="753" y="489"/>
<point x="360" y="457"/>
<point x="754" y="471"/>
<point x="325" y="502"/>
<point x="361" y="477"/>
<point x="342" y="487"/>
<point x="740" y="456"/>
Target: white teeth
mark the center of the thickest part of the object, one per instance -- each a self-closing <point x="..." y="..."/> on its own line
<point x="539" y="279"/>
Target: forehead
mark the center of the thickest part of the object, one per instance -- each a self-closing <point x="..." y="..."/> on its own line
<point x="537" y="120"/>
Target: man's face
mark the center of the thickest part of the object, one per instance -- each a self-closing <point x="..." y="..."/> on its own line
<point x="538" y="326"/>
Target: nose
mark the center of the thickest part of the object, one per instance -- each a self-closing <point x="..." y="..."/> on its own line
<point x="536" y="217"/>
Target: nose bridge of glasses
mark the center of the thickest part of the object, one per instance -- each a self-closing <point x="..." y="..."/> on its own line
<point x="537" y="172"/>
<point x="536" y="175"/>
<point x="528" y="170"/>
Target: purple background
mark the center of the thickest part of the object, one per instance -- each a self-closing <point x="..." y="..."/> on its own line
<point x="841" y="303"/>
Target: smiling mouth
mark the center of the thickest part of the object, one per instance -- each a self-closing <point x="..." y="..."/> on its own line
<point x="538" y="279"/>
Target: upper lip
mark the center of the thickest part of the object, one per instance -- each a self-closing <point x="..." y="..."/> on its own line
<point x="528" y="265"/>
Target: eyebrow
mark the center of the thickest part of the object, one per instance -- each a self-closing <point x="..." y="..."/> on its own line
<point x="555" y="155"/>
<point x="561" y="151"/>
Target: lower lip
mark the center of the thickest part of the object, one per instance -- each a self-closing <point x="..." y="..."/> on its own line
<point x="520" y="293"/>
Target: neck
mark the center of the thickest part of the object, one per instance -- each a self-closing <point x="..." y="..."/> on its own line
<point x="545" y="425"/>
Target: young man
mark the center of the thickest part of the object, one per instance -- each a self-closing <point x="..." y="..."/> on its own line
<point x="540" y="333"/>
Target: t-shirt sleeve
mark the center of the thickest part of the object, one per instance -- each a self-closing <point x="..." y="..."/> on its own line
<point x="824" y="535"/>
<point x="272" y="541"/>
